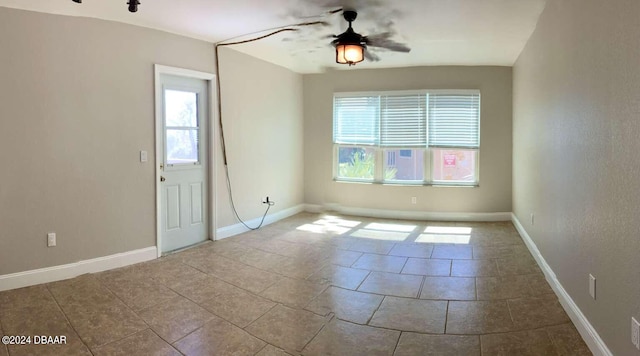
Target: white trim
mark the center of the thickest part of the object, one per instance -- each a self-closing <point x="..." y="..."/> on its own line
<point x="586" y="330"/>
<point x="57" y="273"/>
<point x="408" y="215"/>
<point x="182" y="72"/>
<point x="212" y="121"/>
<point x="341" y="94"/>
<point x="232" y="230"/>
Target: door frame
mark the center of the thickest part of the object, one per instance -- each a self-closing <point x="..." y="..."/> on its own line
<point x="211" y="116"/>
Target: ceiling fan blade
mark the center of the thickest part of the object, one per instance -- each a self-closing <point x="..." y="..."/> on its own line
<point x="370" y="56"/>
<point x="387" y="43"/>
<point x="380" y="36"/>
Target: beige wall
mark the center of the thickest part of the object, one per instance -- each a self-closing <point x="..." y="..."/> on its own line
<point x="494" y="193"/>
<point x="262" y="116"/>
<point x="77" y="106"/>
<point x="576" y="162"/>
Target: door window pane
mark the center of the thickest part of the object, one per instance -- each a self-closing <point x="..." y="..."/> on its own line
<point x="454" y="165"/>
<point x="181" y="109"/>
<point x="356" y="162"/>
<point x="406" y="165"/>
<point x="182" y="146"/>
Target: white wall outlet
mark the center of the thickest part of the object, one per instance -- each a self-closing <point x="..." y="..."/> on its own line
<point x="635" y="332"/>
<point x="51" y="239"/>
<point x="592" y="286"/>
<point x="414" y="200"/>
<point x="532" y="218"/>
<point x="144" y="156"/>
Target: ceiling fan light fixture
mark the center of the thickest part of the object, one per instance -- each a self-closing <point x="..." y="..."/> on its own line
<point x="350" y="54"/>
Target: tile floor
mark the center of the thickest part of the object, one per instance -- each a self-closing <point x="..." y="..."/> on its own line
<point x="311" y="284"/>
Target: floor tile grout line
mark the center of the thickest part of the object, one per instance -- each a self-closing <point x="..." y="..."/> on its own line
<point x="424" y="279"/>
<point x="131" y="308"/>
<point x="229" y="321"/>
<point x="66" y="317"/>
<point x="399" y="330"/>
<point x="475" y="288"/>
<point x="375" y="311"/>
<point x="362" y="282"/>
<point x="261" y="339"/>
<point x="138" y="332"/>
<point x="184" y="336"/>
<point x="263" y="314"/>
<point x="510" y="313"/>
<point x="231" y="283"/>
<point x="262" y="349"/>
<point x="454" y="334"/>
<point x="331" y="318"/>
<point x="446" y="317"/>
<point x="413" y="298"/>
<point x="397" y="343"/>
<point x="553" y="341"/>
<point x="404" y="264"/>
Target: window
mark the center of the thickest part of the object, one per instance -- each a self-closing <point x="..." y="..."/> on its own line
<point x="391" y="158"/>
<point x="356" y="163"/>
<point x="182" y="127"/>
<point x="423" y="137"/>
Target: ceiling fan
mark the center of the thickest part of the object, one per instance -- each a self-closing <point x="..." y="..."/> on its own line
<point x="351" y="47"/>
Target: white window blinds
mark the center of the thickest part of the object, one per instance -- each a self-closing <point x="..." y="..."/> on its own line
<point x="356" y="120"/>
<point x="454" y="120"/>
<point x="435" y="119"/>
<point x="402" y="120"/>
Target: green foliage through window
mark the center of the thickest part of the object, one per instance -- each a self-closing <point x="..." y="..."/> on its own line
<point x="362" y="166"/>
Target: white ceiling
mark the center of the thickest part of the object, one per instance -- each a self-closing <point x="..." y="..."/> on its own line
<point x="439" y="32"/>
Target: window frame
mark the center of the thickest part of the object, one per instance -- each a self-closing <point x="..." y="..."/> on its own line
<point x="445" y="183"/>
<point x="165" y="159"/>
<point x="428" y="151"/>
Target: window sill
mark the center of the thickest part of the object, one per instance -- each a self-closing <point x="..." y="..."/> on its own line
<point x="409" y="184"/>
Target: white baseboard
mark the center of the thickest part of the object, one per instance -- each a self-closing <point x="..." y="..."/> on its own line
<point x="57" y="273"/>
<point x="407" y="215"/>
<point x="239" y="228"/>
<point x="589" y="334"/>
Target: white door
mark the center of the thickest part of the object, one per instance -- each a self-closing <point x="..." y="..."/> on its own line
<point x="183" y="171"/>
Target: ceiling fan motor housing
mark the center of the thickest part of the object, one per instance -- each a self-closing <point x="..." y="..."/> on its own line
<point x="349" y="37"/>
<point x="350" y="16"/>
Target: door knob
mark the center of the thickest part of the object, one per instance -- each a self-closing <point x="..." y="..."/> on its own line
<point x="162" y="179"/>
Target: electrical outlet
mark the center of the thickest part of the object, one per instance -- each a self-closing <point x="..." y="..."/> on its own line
<point x="414" y="200"/>
<point x="51" y="239"/>
<point x="635" y="332"/>
<point x="532" y="216"/>
<point x="592" y="286"/>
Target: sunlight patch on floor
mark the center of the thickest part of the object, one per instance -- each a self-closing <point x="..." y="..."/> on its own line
<point x="445" y="235"/>
<point x="380" y="235"/>
<point x="331" y="224"/>
<point x="391" y="227"/>
<point x="321" y="229"/>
